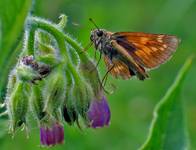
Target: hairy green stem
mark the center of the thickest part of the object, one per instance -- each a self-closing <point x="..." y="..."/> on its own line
<point x="30" y="41"/>
<point x="59" y="36"/>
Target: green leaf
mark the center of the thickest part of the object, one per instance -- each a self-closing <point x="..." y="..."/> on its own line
<point x="168" y="129"/>
<point x="12" y="18"/>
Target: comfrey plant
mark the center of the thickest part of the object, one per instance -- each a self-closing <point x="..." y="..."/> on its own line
<point x="54" y="81"/>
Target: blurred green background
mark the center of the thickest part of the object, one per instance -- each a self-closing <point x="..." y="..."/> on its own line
<point x="133" y="101"/>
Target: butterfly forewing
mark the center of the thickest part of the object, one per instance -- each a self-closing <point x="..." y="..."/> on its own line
<point x="147" y="50"/>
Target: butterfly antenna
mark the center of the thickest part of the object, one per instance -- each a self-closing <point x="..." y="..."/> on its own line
<point x="91" y="20"/>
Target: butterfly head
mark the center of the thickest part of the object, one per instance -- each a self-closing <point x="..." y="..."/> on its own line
<point x="98" y="36"/>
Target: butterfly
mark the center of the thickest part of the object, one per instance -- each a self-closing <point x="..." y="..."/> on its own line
<point x="128" y="54"/>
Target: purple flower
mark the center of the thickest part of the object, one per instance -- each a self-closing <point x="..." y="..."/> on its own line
<point x="99" y="113"/>
<point x="52" y="136"/>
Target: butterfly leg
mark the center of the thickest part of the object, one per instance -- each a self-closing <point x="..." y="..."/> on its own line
<point x="103" y="82"/>
<point x="100" y="56"/>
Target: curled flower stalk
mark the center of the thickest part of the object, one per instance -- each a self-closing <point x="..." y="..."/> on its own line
<point x="55" y="82"/>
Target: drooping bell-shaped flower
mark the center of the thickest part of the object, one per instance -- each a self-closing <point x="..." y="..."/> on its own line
<point x="50" y="136"/>
<point x="99" y="113"/>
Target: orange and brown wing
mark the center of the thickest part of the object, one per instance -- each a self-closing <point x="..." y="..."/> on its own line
<point x="120" y="69"/>
<point x="147" y="50"/>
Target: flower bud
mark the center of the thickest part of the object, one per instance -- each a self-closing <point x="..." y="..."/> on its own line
<point x="54" y="90"/>
<point x="70" y="115"/>
<point x="82" y="94"/>
<point x="11" y="82"/>
<point x="40" y="68"/>
<point x="49" y="59"/>
<point x="46" y="49"/>
<point x="37" y="102"/>
<point x="44" y="38"/>
<point x="43" y="70"/>
<point x="69" y="111"/>
<point x="17" y="105"/>
<point x="26" y="73"/>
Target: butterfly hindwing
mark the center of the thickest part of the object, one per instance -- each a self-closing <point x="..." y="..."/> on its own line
<point x="133" y="66"/>
<point x="119" y="69"/>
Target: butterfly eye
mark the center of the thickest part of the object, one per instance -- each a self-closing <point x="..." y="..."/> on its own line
<point x="99" y="33"/>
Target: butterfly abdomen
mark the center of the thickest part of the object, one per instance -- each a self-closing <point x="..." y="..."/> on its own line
<point x="140" y="72"/>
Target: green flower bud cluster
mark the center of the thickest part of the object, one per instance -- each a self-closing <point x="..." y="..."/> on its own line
<point x="52" y="80"/>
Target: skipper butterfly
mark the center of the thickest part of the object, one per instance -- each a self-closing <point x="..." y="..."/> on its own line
<point x="128" y="54"/>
